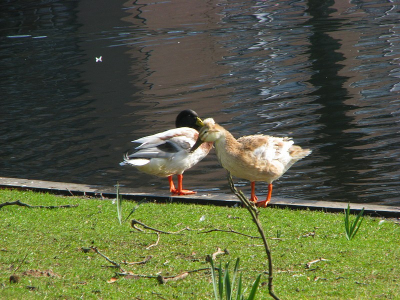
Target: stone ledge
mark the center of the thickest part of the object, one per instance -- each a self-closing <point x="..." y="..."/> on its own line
<point x="74" y="189"/>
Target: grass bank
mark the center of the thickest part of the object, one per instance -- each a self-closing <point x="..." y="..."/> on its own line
<point x="49" y="251"/>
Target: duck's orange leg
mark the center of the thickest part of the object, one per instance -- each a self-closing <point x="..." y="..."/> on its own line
<point x="180" y="191"/>
<point x="172" y="188"/>
<point x="266" y="201"/>
<point x="253" y="196"/>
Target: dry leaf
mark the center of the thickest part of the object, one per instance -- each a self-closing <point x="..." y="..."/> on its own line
<point x="112" y="280"/>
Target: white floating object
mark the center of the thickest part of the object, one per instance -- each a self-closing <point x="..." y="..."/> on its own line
<point x="99" y="59"/>
<point x="18" y="36"/>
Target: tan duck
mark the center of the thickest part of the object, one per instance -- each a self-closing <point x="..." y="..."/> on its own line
<point x="253" y="157"/>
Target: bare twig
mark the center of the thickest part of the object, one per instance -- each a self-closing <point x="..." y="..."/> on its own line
<point x="137" y="228"/>
<point x="115" y="264"/>
<point x="254" y="214"/>
<point x="134" y="222"/>
<point x="308" y="265"/>
<point x="156" y="243"/>
<point x="316" y="278"/>
<point x="231" y="231"/>
<point x="19" y="203"/>
<point x="164" y="280"/>
<point x="132" y="275"/>
<point x="215" y="254"/>
<point x="16" y="269"/>
<point x="312" y="234"/>
<point x="198" y="270"/>
<point x="160" y="278"/>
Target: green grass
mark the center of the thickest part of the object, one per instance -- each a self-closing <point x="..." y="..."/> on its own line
<point x="366" y="267"/>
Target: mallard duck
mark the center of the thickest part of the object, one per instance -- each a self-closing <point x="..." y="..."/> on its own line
<point x="253" y="157"/>
<point x="167" y="153"/>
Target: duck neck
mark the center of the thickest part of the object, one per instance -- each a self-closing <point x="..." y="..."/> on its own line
<point x="226" y="143"/>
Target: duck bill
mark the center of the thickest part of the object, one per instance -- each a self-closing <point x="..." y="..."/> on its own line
<point x="199" y="122"/>
<point x="196" y="145"/>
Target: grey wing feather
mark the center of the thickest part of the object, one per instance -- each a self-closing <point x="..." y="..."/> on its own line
<point x="165" y="150"/>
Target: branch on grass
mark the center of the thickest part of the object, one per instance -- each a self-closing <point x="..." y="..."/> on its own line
<point x="16" y="269"/>
<point x="130" y="275"/>
<point x="215" y="254"/>
<point x="312" y="234"/>
<point x="19" y="203"/>
<point x="115" y="264"/>
<point x="231" y="231"/>
<point x="219" y="252"/>
<point x="161" y="279"/>
<point x="156" y="243"/>
<point x="308" y="265"/>
<point x="137" y="228"/>
<point x="164" y="280"/>
<point x="134" y="222"/>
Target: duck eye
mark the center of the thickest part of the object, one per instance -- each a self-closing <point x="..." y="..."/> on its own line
<point x="204" y="132"/>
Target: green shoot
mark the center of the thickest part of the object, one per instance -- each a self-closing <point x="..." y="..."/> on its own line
<point x="352" y="228"/>
<point x="225" y="283"/>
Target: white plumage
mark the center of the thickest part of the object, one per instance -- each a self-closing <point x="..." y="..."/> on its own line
<point x="168" y="153"/>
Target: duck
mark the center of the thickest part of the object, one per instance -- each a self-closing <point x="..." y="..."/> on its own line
<point x="254" y="157"/>
<point x="168" y="153"/>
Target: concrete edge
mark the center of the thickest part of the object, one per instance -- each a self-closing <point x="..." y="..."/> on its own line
<point x="74" y="189"/>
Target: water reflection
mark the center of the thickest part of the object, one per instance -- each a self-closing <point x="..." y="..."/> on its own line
<point x="325" y="73"/>
<point x="331" y="96"/>
<point x="180" y="54"/>
<point x="335" y="51"/>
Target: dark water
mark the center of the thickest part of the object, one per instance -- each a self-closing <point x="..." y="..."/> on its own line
<point x="324" y="72"/>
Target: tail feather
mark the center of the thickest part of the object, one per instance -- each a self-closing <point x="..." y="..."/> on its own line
<point x="134" y="161"/>
<point x="298" y="153"/>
